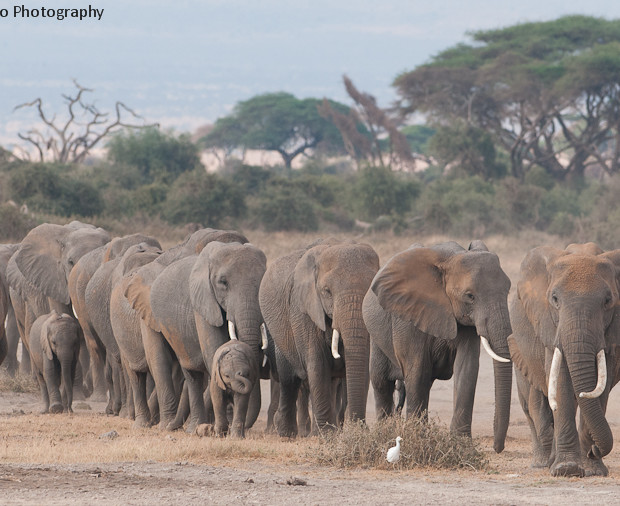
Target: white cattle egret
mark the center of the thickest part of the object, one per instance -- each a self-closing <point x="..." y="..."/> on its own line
<point x="393" y="454"/>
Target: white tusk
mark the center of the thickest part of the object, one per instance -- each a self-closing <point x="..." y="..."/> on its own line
<point x="335" y="339"/>
<point x="231" y="330"/>
<point x="489" y="350"/>
<point x="263" y="333"/>
<point x="601" y="365"/>
<point x="554" y="372"/>
<point x="264" y="360"/>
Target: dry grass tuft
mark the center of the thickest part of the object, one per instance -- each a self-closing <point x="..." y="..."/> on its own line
<point x="426" y="444"/>
<point x="19" y="384"/>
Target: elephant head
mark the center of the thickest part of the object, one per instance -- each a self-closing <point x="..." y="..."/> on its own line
<point x="235" y="367"/>
<point x="443" y="287"/>
<point x="329" y="284"/>
<point x="570" y="297"/>
<point x="49" y="252"/>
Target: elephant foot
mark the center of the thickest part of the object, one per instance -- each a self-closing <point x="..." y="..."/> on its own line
<point x="595" y="467"/>
<point x="191" y="425"/>
<point x="141" y="422"/>
<point x="56" y="409"/>
<point x="204" y="429"/>
<point x="44" y="411"/>
<point x="288" y="430"/>
<point x="174" y="425"/>
<point x="568" y="468"/>
<point x="540" y="460"/>
<point x="220" y="430"/>
<point x="78" y="394"/>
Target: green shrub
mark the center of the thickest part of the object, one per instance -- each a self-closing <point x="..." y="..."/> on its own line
<point x="14" y="225"/>
<point x="285" y="207"/>
<point x="199" y="197"/>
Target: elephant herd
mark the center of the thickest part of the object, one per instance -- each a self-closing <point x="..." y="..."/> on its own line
<point x="182" y="337"/>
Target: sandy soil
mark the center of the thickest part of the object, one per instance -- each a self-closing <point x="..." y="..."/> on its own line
<point x="162" y="480"/>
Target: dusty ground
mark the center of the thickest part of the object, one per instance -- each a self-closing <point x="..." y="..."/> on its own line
<point x="60" y="459"/>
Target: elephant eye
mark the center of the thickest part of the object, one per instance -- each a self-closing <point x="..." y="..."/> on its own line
<point x="469" y="297"/>
<point x="223" y="281"/>
<point x="555" y="301"/>
<point x="608" y="300"/>
<point x="327" y="292"/>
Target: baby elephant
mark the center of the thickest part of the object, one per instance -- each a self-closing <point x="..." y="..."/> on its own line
<point x="233" y="375"/>
<point x="54" y="349"/>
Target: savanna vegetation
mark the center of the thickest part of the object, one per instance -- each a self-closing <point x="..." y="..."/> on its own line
<point x="522" y="133"/>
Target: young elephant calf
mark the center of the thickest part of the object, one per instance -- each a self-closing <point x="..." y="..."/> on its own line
<point x="54" y="350"/>
<point x="233" y="376"/>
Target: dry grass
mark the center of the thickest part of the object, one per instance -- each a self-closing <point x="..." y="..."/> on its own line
<point x="65" y="439"/>
<point x="426" y="444"/>
<point x="19" y="384"/>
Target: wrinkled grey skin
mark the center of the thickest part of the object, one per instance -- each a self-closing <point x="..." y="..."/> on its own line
<point x="425" y="310"/>
<point x="567" y="299"/>
<point x="45" y="259"/>
<point x="161" y="359"/>
<point x="234" y="374"/>
<point x="303" y="296"/>
<point x="191" y="301"/>
<point x="54" y="349"/>
<point x="79" y="278"/>
<point x="9" y="335"/>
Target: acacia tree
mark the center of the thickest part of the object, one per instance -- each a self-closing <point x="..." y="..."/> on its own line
<point x="71" y="138"/>
<point x="276" y="122"/>
<point x="367" y="127"/>
<point x="547" y="92"/>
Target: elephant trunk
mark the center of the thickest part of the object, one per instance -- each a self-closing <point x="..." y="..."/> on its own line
<point x="580" y="348"/>
<point x="247" y="325"/>
<point x="356" y="344"/>
<point x="67" y="368"/>
<point x="497" y="329"/>
<point x="241" y="384"/>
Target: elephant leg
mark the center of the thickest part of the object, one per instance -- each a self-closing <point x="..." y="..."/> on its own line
<point x="304" y="422"/>
<point x="4" y="347"/>
<point x="153" y="402"/>
<point x="138" y="386"/>
<point x="466" y="365"/>
<point x="241" y="403"/>
<point x="127" y="406"/>
<point x="51" y="374"/>
<point x="319" y="381"/>
<point x="220" y="401"/>
<point x="115" y="386"/>
<point x="182" y="410"/>
<point x="382" y="385"/>
<point x="418" y="383"/>
<point x="12" y="340"/>
<point x="592" y="465"/>
<point x="209" y="406"/>
<point x="44" y="394"/>
<point x="567" y="450"/>
<point x="97" y="354"/>
<point x="25" y="368"/>
<point x="160" y="360"/>
<point x="195" y="383"/>
<point x="532" y="402"/>
<point x="80" y="390"/>
<point x="274" y="388"/>
<point x="253" y="407"/>
<point x="339" y="396"/>
<point x="286" y="416"/>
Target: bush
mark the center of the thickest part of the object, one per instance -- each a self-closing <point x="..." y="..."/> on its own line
<point x="199" y="197"/>
<point x="14" y="225"/>
<point x="426" y="444"/>
<point x="285" y="207"/>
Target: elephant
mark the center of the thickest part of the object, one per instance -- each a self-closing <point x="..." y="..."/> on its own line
<point x="425" y="311"/>
<point x="566" y="331"/>
<point x="234" y="374"/>
<point x="54" y="349"/>
<point x="197" y="303"/>
<point x="45" y="259"/>
<point x="9" y="335"/>
<point x="311" y="300"/>
<point x="78" y="280"/>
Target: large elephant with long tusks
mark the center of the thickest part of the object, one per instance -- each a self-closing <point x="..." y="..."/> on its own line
<point x="311" y="300"/>
<point x="566" y="330"/>
<point x="427" y="311"/>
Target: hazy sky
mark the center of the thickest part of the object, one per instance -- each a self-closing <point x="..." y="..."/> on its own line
<point x="184" y="63"/>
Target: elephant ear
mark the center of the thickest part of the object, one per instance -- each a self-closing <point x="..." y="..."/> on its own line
<point x="411" y="286"/>
<point x="533" y="286"/>
<point x="221" y="352"/>
<point x="201" y="290"/>
<point x="40" y="260"/>
<point x="137" y="290"/>
<point x="45" y="335"/>
<point x="305" y="292"/>
<point x="477" y="245"/>
<point x="613" y="331"/>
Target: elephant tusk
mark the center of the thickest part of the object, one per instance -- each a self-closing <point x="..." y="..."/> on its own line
<point x="335" y="339"/>
<point x="264" y="360"/>
<point x="231" y="330"/>
<point x="263" y="334"/>
<point x="601" y="365"/>
<point x="554" y="373"/>
<point x="489" y="350"/>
